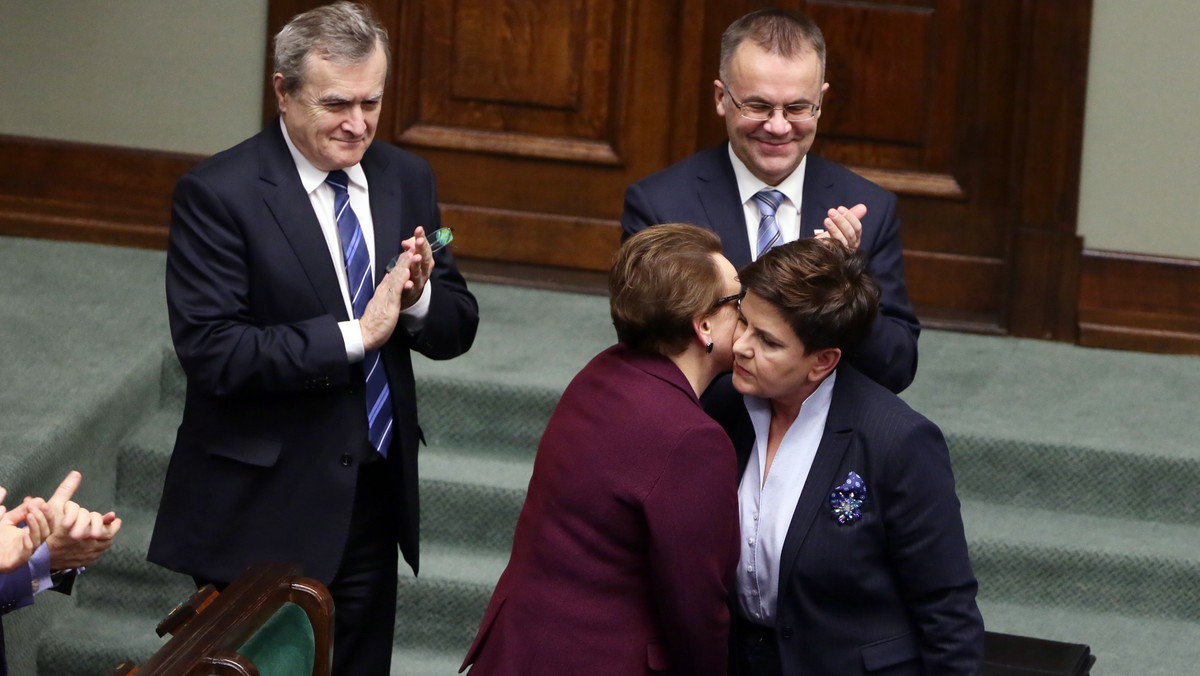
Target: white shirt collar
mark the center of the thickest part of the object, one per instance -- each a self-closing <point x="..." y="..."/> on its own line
<point x="311" y="177"/>
<point x="748" y="184"/>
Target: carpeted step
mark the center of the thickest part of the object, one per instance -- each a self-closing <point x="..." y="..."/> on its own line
<point x="1090" y="563"/>
<point x="470" y="499"/>
<point x="143" y="459"/>
<point x="1121" y="483"/>
<point x="90" y="641"/>
<point x="440" y="610"/>
<point x="1122" y="643"/>
<point x="420" y="662"/>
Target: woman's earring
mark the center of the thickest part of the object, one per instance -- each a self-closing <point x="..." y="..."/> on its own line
<point x="708" y="348"/>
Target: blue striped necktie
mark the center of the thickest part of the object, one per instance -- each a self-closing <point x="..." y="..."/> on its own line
<point x="768" y="230"/>
<point x="362" y="287"/>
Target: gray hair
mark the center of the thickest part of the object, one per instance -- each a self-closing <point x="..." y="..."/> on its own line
<point x="778" y="31"/>
<point x="344" y="32"/>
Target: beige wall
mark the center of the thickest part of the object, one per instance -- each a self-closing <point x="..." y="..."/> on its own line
<point x="1141" y="166"/>
<point x="187" y="75"/>
<point x="182" y="75"/>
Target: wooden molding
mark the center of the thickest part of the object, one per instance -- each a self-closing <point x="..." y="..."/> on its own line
<point x="1137" y="302"/>
<point x="84" y="192"/>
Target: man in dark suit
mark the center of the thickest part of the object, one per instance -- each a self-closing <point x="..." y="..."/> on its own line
<point x="854" y="558"/>
<point x="299" y="434"/>
<point x="764" y="188"/>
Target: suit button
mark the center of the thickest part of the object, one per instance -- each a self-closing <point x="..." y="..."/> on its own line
<point x="346" y="460"/>
<point x="786" y="633"/>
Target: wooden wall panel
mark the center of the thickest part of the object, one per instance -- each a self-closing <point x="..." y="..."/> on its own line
<point x="1138" y="302"/>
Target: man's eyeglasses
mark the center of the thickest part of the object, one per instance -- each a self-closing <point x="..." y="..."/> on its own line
<point x="737" y="296"/>
<point x="760" y="111"/>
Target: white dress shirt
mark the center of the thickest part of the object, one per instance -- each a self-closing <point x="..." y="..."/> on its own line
<point x="787" y="216"/>
<point x="766" y="508"/>
<point x="321" y="195"/>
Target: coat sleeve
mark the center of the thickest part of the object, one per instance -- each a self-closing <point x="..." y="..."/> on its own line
<point x="889" y="354"/>
<point x="691" y="513"/>
<point x="453" y="318"/>
<point x="927" y="548"/>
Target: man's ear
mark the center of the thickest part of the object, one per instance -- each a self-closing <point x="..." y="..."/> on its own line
<point x="719" y="97"/>
<point x="827" y="361"/>
<point x="277" y="85"/>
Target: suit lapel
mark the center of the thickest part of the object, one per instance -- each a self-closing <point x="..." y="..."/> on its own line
<point x="385" y="210"/>
<point x="289" y="203"/>
<point x="818" y="186"/>
<point x="718" y="193"/>
<point x="822" y="476"/>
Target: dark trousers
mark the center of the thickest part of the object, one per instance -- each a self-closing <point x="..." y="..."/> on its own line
<point x="755" y="651"/>
<point x="364" y="588"/>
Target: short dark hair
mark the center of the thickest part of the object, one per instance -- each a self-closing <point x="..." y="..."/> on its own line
<point x="344" y="32"/>
<point x="662" y="278"/>
<point x="779" y="31"/>
<point x="820" y="288"/>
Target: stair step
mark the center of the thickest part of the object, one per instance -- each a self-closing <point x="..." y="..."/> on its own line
<point x="1095" y="563"/>
<point x="143" y="459"/>
<point x="90" y="641"/>
<point x="471" y="501"/>
<point x="1122" y="644"/>
<point x="440" y="610"/>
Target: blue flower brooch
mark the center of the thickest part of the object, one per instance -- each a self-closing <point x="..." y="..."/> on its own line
<point x="847" y="500"/>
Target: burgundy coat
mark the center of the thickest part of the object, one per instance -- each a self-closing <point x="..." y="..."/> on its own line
<point x="628" y="540"/>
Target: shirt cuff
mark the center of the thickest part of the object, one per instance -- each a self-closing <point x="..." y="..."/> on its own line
<point x="413" y="318"/>
<point x="39" y="569"/>
<point x="352" y="337"/>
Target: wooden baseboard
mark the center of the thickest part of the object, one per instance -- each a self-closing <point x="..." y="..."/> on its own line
<point x="122" y="196"/>
<point x="91" y="193"/>
<point x="1137" y="302"/>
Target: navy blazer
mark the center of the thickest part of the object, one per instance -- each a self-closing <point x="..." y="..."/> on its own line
<point x="274" y="425"/>
<point x="702" y="190"/>
<point x="889" y="592"/>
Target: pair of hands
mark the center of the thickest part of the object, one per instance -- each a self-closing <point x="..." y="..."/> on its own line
<point x="398" y="291"/>
<point x="844" y="225"/>
<point x="74" y="536"/>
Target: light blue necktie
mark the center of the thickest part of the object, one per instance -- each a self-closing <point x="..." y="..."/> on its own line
<point x="768" y="230"/>
<point x="362" y="287"/>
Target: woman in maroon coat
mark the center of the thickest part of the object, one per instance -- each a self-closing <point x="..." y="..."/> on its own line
<point x="627" y="543"/>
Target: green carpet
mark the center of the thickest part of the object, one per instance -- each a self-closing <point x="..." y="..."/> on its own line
<point x="1078" y="468"/>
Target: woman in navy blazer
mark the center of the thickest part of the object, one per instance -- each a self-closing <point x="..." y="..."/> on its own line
<point x="626" y="545"/>
<point x="853" y="556"/>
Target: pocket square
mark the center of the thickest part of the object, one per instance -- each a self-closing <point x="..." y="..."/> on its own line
<point x="847" y="500"/>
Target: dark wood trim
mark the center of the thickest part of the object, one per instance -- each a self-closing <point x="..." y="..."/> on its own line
<point x="83" y="192"/>
<point x="1043" y="248"/>
<point x="1137" y="302"/>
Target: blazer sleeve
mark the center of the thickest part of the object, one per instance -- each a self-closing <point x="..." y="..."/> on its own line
<point x="889" y="353"/>
<point x="927" y="549"/>
<point x="16" y="589"/>
<point x="453" y="319"/>
<point x="224" y="340"/>
<point x="691" y="513"/>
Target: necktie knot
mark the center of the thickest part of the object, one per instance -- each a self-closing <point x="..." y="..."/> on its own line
<point x="768" y="201"/>
<point x="768" y="230"/>
<point x="339" y="181"/>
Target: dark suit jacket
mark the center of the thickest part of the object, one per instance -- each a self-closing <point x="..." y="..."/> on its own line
<point x="627" y="543"/>
<point x="702" y="190"/>
<point x="274" y="425"/>
<point x="891" y="592"/>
